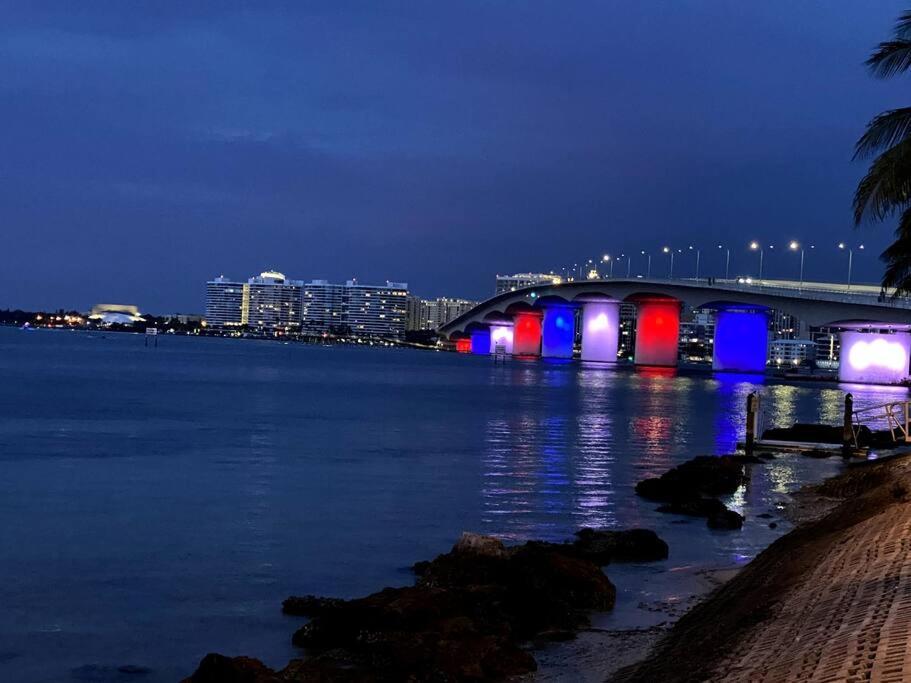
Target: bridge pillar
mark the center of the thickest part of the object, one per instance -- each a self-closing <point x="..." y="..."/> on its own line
<point x="501" y="334"/>
<point x="741" y="340"/>
<point x="558" y="331"/>
<point x="480" y="341"/>
<point x="873" y="357"/>
<point x="657" y="332"/>
<point x="463" y="345"/>
<point x="600" y="331"/>
<point x="527" y="334"/>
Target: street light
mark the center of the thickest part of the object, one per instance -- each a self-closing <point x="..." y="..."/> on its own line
<point x="629" y="264"/>
<point x="670" y="273"/>
<point x="727" y="260"/>
<point x="607" y="259"/>
<point x="698" y="256"/>
<point x="795" y="246"/>
<point x="648" y="269"/>
<point x="843" y="246"/>
<point x="755" y="246"/>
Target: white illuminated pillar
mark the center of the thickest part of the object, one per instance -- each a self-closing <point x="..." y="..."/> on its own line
<point x="874" y="358"/>
<point x="600" y="331"/>
<point x="501" y="335"/>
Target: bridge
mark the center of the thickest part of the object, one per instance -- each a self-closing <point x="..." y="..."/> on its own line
<point x="874" y="327"/>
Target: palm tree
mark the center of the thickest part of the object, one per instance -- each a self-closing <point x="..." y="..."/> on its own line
<point x="886" y="189"/>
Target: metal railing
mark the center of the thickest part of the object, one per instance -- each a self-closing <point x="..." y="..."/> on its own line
<point x="895" y="415"/>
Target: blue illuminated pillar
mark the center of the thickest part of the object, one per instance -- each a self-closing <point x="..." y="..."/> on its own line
<point x="480" y="341"/>
<point x="741" y="340"/>
<point x="558" y="331"/>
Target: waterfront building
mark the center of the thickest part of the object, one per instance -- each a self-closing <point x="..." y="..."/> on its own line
<point x="116" y="314"/>
<point x="367" y="310"/>
<point x="322" y="304"/>
<point x="376" y="310"/>
<point x="413" y="313"/>
<point x="224" y="303"/>
<point x="267" y="303"/>
<point x="510" y="283"/>
<point x="272" y="303"/>
<point x="697" y="335"/>
<point x="435" y="313"/>
<point x="792" y="352"/>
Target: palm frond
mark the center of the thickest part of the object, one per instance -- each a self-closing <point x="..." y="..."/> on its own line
<point x="897" y="258"/>
<point x="883" y="132"/>
<point x="903" y="25"/>
<point x="890" y="58"/>
<point x="887" y="186"/>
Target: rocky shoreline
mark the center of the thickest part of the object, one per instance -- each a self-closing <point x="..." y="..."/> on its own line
<point x="470" y="615"/>
<point x="478" y="611"/>
<point x="800" y="596"/>
<point x="487" y="612"/>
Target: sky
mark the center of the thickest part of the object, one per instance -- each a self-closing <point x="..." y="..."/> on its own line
<point x="148" y="147"/>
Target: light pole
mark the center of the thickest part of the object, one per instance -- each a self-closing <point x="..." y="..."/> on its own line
<point x="608" y="259"/>
<point x="648" y="269"/>
<point x="843" y="246"/>
<point x="670" y="273"/>
<point x="755" y="246"/>
<point x="698" y="256"/>
<point x="629" y="264"/>
<point x="795" y="246"/>
<point x="727" y="260"/>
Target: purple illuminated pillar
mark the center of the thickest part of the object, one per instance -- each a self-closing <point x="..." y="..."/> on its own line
<point x="600" y="331"/>
<point x="558" y="331"/>
<point x="741" y="340"/>
<point x="480" y="341"/>
<point x="874" y="358"/>
<point x="501" y="335"/>
<point x="657" y="332"/>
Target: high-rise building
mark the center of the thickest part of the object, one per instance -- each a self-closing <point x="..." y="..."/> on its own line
<point x="322" y="307"/>
<point x="368" y="310"/>
<point x="272" y="303"/>
<point x="224" y="303"/>
<point x="434" y="313"/>
<point x="413" y="320"/>
<point x="375" y="310"/>
<point x="510" y="283"/>
<point x="268" y="303"/>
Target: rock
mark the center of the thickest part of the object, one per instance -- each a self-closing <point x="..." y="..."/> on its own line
<point x="478" y="544"/>
<point x="773" y="525"/>
<point x="725" y="519"/>
<point x="216" y="668"/>
<point x="694" y="507"/>
<point x="703" y="475"/>
<point x="634" y="545"/>
<point x="308" y="605"/>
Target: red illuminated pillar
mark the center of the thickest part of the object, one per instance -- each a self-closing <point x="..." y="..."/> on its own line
<point x="527" y="334"/>
<point x="657" y="332"/>
<point x="463" y="345"/>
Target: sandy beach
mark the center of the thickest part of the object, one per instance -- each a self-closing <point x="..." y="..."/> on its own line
<point x="830" y="601"/>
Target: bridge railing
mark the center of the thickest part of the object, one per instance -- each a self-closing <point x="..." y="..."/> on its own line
<point x="807" y="291"/>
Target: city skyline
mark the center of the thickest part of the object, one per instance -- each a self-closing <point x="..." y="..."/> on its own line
<point x="366" y="142"/>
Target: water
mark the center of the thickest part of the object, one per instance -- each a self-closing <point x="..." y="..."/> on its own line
<point x="158" y="504"/>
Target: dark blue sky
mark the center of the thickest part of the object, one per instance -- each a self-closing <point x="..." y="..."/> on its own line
<point x="147" y="150"/>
